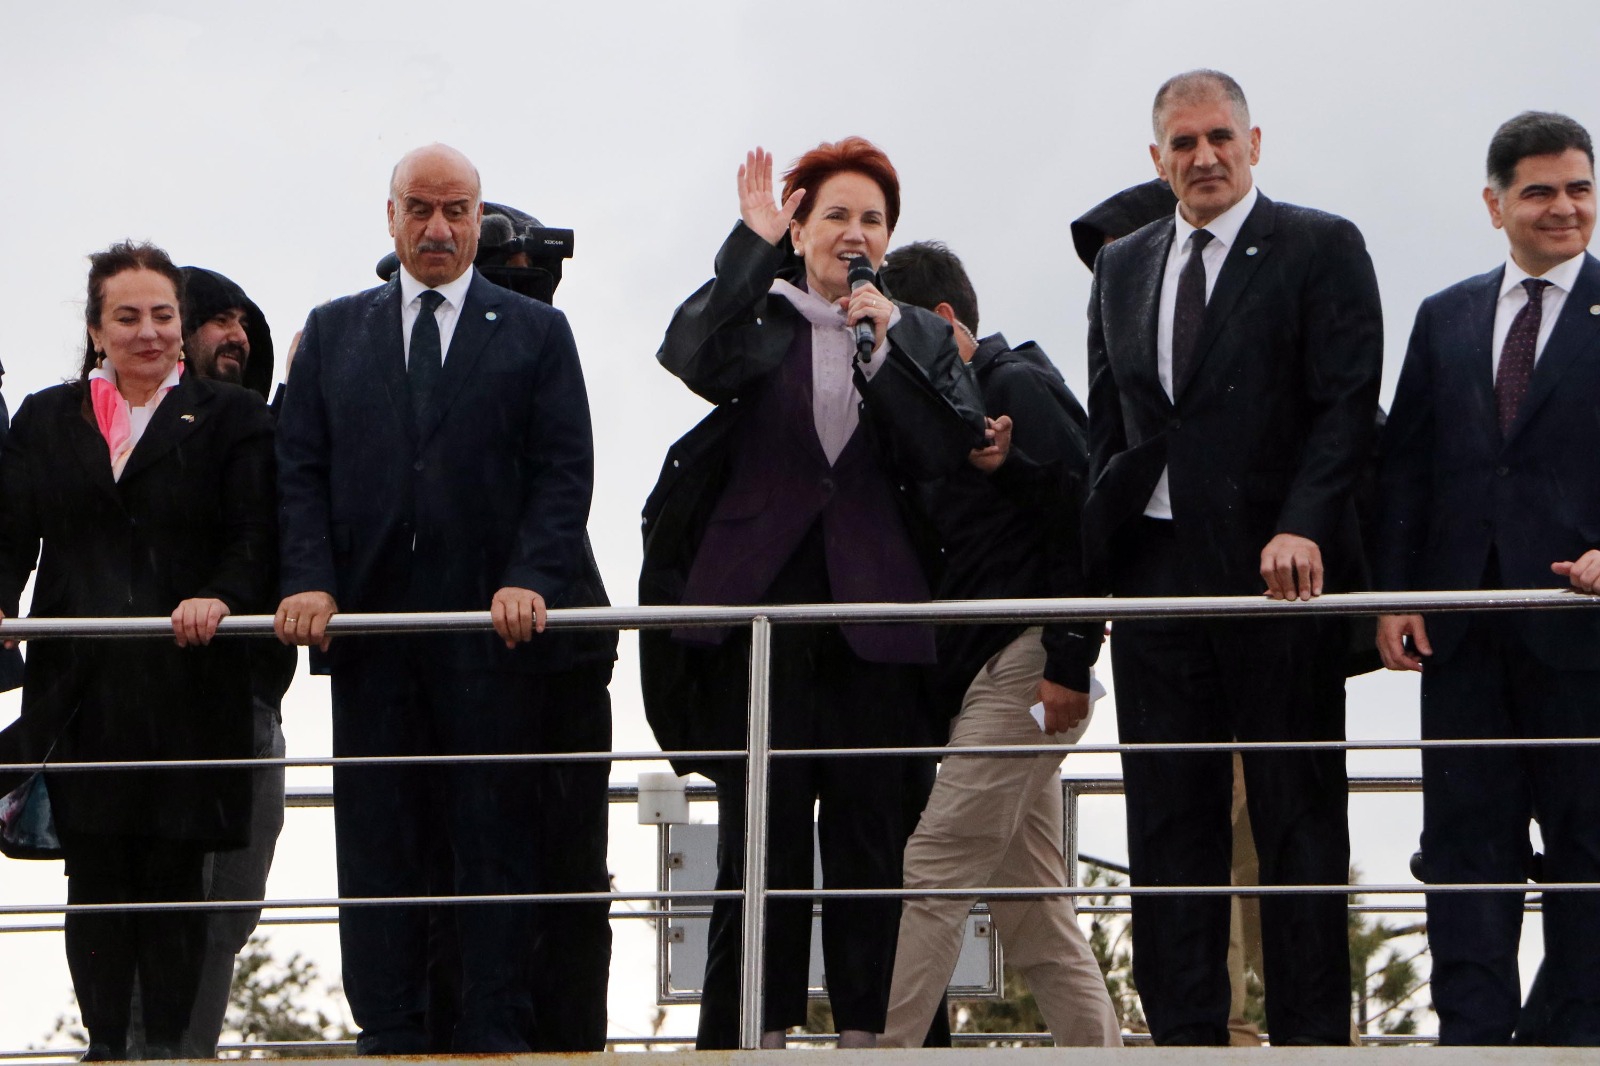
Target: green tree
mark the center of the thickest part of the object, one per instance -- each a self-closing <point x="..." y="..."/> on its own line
<point x="1388" y="994"/>
<point x="279" y="1001"/>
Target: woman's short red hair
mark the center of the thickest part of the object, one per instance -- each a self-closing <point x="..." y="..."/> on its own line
<point x="853" y="154"/>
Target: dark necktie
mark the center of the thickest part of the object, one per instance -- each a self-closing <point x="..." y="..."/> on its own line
<point x="427" y="355"/>
<point x="1190" y="307"/>
<point x="1516" y="358"/>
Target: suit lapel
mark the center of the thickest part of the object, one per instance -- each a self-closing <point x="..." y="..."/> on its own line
<point x="1476" y="345"/>
<point x="479" y="318"/>
<point x="1573" y="338"/>
<point x="389" y="352"/>
<point x="1249" y="251"/>
<point x="180" y="413"/>
<point x="1146" y="297"/>
<point x="91" y="449"/>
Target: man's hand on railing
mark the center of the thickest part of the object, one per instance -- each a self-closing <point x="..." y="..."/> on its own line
<point x="1292" y="567"/>
<point x="1064" y="708"/>
<point x="10" y="643"/>
<point x="1393" y="629"/>
<point x="303" y="619"/>
<point x="194" y="621"/>
<point x="1584" y="574"/>
<point x="517" y="614"/>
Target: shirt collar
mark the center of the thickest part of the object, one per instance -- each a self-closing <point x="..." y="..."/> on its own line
<point x="1563" y="275"/>
<point x="106" y="372"/>
<point x="1224" y="229"/>
<point x="454" y="292"/>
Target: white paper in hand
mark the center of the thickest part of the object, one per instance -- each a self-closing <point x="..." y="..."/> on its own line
<point x="1075" y="734"/>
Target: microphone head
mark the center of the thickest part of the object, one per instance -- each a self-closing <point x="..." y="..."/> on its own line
<point x="861" y="272"/>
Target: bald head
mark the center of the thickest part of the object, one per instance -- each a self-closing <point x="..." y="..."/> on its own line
<point x="434" y="155"/>
<point x="435" y="208"/>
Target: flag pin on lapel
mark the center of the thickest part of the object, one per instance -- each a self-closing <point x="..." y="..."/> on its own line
<point x="186" y="418"/>
<point x="490" y="315"/>
<point x="1250" y="250"/>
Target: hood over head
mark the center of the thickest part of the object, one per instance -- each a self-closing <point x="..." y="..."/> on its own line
<point x="208" y="293"/>
<point x="1128" y="210"/>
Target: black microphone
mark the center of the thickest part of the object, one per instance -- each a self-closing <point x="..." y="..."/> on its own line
<point x="866" y="340"/>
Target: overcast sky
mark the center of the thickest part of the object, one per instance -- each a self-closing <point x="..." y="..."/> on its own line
<point x="257" y="140"/>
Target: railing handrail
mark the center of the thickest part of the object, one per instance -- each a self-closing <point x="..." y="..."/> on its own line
<point x="1082" y="609"/>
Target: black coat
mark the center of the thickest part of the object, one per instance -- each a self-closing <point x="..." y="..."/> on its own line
<point x="191" y="516"/>
<point x="494" y="492"/>
<point x="1454" y="493"/>
<point x="1273" y="425"/>
<point x="1015" y="534"/>
<point x="723" y="341"/>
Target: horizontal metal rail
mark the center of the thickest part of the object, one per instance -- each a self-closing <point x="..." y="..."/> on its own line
<point x="1084" y="609"/>
<point x="796" y="753"/>
<point x="985" y="891"/>
<point x="756" y="891"/>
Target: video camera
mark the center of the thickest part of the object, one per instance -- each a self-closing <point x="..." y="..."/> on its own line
<point x="515" y="251"/>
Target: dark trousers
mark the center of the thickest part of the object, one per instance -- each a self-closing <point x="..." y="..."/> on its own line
<point x="1477" y="804"/>
<point x="1194" y="680"/>
<point x="570" y="949"/>
<point x="107" y="951"/>
<point x="861" y="808"/>
<point x="823" y="695"/>
<point x="394" y="699"/>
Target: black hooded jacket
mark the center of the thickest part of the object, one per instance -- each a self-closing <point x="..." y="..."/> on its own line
<point x="207" y="294"/>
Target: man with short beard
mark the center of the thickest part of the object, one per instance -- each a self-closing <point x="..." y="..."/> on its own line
<point x="225" y="338"/>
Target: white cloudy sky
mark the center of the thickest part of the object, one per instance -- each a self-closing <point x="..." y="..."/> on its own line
<point x="257" y="140"/>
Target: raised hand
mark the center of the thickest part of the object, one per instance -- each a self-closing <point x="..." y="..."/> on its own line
<point x="757" y="204"/>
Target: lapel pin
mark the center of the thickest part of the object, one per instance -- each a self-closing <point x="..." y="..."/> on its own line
<point x="186" y="418"/>
<point x="1594" y="309"/>
<point x="490" y="315"/>
<point x="1251" y="250"/>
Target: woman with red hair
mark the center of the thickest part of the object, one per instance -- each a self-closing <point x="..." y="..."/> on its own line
<point x="791" y="492"/>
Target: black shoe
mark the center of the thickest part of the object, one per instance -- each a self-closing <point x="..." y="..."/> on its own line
<point x="103" y="1053"/>
<point x="160" y="1053"/>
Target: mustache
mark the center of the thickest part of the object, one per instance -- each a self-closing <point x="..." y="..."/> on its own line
<point x="237" y="351"/>
<point x="447" y="247"/>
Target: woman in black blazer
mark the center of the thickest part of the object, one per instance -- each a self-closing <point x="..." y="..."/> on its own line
<point x="150" y="491"/>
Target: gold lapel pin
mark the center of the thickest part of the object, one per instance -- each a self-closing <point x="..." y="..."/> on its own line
<point x="186" y="418"/>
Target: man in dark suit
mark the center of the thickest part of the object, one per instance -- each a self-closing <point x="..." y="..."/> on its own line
<point x="1488" y="481"/>
<point x="1234" y="357"/>
<point x="437" y="456"/>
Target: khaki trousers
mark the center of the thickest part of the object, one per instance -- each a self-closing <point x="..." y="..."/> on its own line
<point x="997" y="820"/>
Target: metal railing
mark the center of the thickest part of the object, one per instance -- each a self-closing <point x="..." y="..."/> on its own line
<point x="759" y="753"/>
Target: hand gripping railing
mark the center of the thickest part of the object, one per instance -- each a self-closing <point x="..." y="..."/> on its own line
<point x="759" y="753"/>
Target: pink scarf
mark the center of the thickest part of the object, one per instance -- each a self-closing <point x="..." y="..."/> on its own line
<point x="112" y="414"/>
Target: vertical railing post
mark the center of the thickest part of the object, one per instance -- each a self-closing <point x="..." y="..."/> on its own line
<point x="757" y="774"/>
<point x="1069" y="831"/>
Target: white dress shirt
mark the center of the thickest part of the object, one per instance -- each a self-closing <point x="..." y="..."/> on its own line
<point x="1224" y="230"/>
<point x="1513" y="298"/>
<point x="835" y="403"/>
<point x="446" y="314"/>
